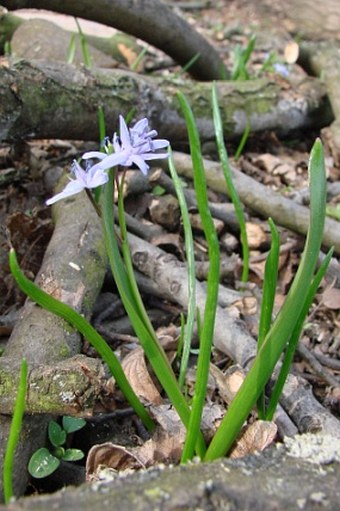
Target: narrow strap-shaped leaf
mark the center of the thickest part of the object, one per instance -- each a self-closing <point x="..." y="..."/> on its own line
<point x="223" y="155"/>
<point x="190" y="259"/>
<point x="286" y="320"/>
<point x="268" y="298"/>
<point x="293" y="341"/>
<point x="207" y="331"/>
<point x="86" y="329"/>
<point x="14" y="432"/>
<point x="127" y="289"/>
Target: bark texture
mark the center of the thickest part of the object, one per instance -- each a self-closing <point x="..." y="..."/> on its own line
<point x="42" y="337"/>
<point x="300" y="476"/>
<point x="150" y="20"/>
<point x="53" y="100"/>
<point x="70" y="387"/>
<point x="260" y="199"/>
<point x="323" y="59"/>
<point x="230" y="335"/>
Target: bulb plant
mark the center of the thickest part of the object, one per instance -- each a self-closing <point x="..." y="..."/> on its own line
<point x="97" y="175"/>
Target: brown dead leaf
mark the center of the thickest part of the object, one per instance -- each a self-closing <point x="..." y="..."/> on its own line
<point x="162" y="448"/>
<point x="129" y="55"/>
<point x="256" y="235"/>
<point x="212" y="416"/>
<point x="109" y="455"/>
<point x="291" y="52"/>
<point x="228" y="383"/>
<point x="136" y="371"/>
<point x="164" y="210"/>
<point x="268" y="162"/>
<point x="331" y="298"/>
<point x="196" y="223"/>
<point x="171" y="242"/>
<point x="255" y="438"/>
<point x="247" y="305"/>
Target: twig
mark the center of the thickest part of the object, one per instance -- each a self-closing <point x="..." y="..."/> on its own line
<point x="316" y="366"/>
<point x="261" y="199"/>
<point x="332" y="363"/>
<point x="230" y="335"/>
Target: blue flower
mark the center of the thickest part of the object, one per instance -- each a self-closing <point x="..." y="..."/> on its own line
<point x="134" y="146"/>
<point x="90" y="178"/>
<point x="281" y="69"/>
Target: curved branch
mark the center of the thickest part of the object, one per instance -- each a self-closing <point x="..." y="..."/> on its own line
<point x="150" y="20"/>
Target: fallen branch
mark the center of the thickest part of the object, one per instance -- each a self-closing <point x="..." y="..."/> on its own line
<point x="230" y="336"/>
<point x="53" y="100"/>
<point x="41" y="30"/>
<point x="261" y="199"/>
<point x="149" y="20"/>
<point x="70" y="387"/>
<point x="72" y="270"/>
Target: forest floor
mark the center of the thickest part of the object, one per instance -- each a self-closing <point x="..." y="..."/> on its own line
<point x="26" y="181"/>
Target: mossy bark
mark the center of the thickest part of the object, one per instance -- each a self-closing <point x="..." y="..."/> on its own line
<point x="45" y="339"/>
<point x="70" y="387"/>
<point x="54" y="100"/>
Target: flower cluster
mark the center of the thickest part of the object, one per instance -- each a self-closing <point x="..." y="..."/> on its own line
<point x="133" y="146"/>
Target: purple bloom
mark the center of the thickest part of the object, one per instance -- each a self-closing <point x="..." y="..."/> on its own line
<point x="281" y="69"/>
<point x="90" y="178"/>
<point x="135" y="145"/>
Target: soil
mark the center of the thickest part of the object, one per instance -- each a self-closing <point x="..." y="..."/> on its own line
<point x="29" y="170"/>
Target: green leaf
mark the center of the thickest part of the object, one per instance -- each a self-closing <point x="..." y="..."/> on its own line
<point x="206" y="334"/>
<point x="56" y="434"/>
<point x="14" y="432"/>
<point x="286" y="320"/>
<point x="71" y="424"/>
<point x="73" y="455"/>
<point x="84" y="327"/>
<point x="333" y="211"/>
<point x="158" y="190"/>
<point x="42" y="463"/>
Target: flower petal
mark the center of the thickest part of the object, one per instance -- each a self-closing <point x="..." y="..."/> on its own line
<point x="140" y="126"/>
<point x="139" y="161"/>
<point x="154" y="156"/>
<point x="97" y="178"/>
<point x="159" y="143"/>
<point x="94" y="154"/>
<point x="112" y="160"/>
<point x="124" y="133"/>
<point x="72" y="188"/>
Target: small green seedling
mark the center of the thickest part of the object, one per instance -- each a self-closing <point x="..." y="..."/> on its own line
<point x="44" y="461"/>
<point x="241" y="57"/>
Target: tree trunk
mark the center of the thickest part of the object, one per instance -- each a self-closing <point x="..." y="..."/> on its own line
<point x="52" y="100"/>
<point x="150" y="20"/>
